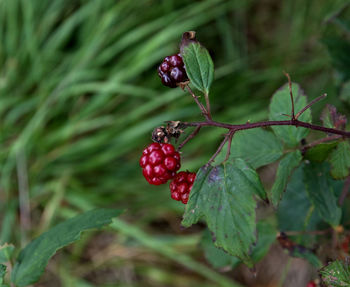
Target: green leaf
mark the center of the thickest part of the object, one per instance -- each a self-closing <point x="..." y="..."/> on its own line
<point x="266" y="237"/>
<point x="257" y="147"/>
<point x="295" y="211"/>
<point x="34" y="257"/>
<point x="251" y="175"/>
<point x="340" y="160"/>
<point x="328" y="115"/>
<point x="336" y="274"/>
<point x="285" y="168"/>
<point x="217" y="257"/>
<point x="281" y="104"/>
<point x="220" y="259"/>
<point x="2" y="273"/>
<point x="224" y="197"/>
<point x="320" y="191"/>
<point x="6" y="251"/>
<point x="199" y="66"/>
<point x="320" y="152"/>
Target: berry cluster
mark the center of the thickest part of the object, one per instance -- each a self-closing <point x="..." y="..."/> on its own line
<point x="181" y="186"/>
<point x="159" y="163"/>
<point x="172" y="71"/>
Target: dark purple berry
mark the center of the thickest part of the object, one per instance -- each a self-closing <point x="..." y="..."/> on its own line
<point x="167" y="81"/>
<point x="165" y="67"/>
<point x="177" y="74"/>
<point x="176" y="61"/>
<point x="172" y="71"/>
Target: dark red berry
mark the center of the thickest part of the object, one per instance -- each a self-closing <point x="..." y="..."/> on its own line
<point x="159" y="163"/>
<point x="176" y="74"/>
<point x="167" y="81"/>
<point x="181" y="186"/>
<point x="311" y="284"/>
<point x="175" y="60"/>
<point x="345" y="244"/>
<point x="172" y="71"/>
<point x="164" y="67"/>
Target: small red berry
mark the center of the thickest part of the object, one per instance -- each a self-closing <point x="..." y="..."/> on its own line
<point x="168" y="149"/>
<point x="171" y="163"/>
<point x="181" y="186"/>
<point x="159" y="163"/>
<point x="311" y="284"/>
<point x="345" y="244"/>
<point x="172" y="71"/>
<point x="184" y="198"/>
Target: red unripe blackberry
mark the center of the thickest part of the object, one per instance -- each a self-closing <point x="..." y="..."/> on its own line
<point x="159" y="163"/>
<point x="181" y="186"/>
<point x="311" y="284"/>
<point x="345" y="244"/>
<point x="172" y="71"/>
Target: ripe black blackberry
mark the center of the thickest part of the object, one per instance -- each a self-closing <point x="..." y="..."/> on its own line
<point x="172" y="71"/>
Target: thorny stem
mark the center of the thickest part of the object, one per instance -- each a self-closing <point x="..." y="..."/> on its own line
<point x="317" y="142"/>
<point x="233" y="128"/>
<point x="208" y="105"/>
<point x="337" y="134"/>
<point x="227" y="137"/>
<point x="247" y="126"/>
<point x="310" y="104"/>
<point x="229" y="146"/>
<point x="201" y="107"/>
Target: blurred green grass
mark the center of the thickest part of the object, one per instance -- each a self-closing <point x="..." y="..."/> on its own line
<point x="79" y="97"/>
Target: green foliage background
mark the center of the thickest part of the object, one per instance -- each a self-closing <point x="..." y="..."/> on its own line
<point x="80" y="95"/>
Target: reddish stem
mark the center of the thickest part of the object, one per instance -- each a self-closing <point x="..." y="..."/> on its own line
<point x="219" y="149"/>
<point x="247" y="126"/>
<point x="229" y="146"/>
<point x="317" y="142"/>
<point x="208" y="105"/>
<point x="291" y="94"/>
<point x="310" y="104"/>
<point x="199" y="104"/>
